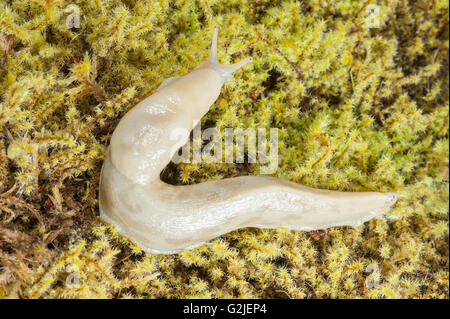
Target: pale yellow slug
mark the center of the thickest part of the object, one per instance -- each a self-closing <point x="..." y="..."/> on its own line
<point x="164" y="218"/>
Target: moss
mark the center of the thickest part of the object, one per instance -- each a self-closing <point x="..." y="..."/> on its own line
<point x="357" y="108"/>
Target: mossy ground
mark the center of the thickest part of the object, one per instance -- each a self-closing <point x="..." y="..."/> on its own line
<point x="359" y="107"/>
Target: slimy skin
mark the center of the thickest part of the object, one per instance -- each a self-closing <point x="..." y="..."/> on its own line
<point x="167" y="219"/>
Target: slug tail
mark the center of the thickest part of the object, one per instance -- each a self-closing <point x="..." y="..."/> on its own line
<point x="166" y="219"/>
<point x="201" y="212"/>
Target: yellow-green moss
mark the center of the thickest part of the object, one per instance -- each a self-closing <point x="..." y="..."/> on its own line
<point x="357" y="108"/>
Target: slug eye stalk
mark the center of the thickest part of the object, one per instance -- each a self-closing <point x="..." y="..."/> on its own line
<point x="166" y="219"/>
<point x="225" y="71"/>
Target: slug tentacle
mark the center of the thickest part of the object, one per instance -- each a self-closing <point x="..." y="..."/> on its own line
<point x="165" y="218"/>
<point x="225" y="71"/>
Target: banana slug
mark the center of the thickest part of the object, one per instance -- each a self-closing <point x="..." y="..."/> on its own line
<point x="167" y="219"/>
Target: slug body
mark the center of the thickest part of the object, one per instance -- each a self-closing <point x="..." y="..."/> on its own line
<point x="164" y="218"/>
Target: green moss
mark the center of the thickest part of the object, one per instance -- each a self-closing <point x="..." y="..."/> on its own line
<point x="357" y="108"/>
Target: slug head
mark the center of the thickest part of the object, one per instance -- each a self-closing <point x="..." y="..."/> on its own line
<point x="225" y="71"/>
